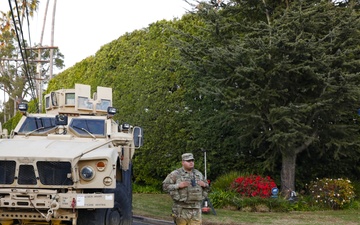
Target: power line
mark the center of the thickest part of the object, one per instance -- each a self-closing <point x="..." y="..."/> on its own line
<point x="23" y="42"/>
<point x="24" y="59"/>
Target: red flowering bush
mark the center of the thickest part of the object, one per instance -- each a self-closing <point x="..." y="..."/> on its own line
<point x="253" y="185"/>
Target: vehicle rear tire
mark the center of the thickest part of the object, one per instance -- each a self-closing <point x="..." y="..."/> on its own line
<point x="121" y="214"/>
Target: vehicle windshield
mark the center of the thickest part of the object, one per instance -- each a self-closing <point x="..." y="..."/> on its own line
<point x="86" y="126"/>
<point x="37" y="125"/>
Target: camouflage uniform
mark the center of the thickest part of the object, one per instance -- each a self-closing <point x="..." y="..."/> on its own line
<point x="186" y="209"/>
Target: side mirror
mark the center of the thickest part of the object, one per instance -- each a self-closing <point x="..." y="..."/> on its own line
<point x="138" y="137"/>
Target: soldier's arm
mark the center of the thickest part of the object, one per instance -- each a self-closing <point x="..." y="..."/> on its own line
<point x="169" y="184"/>
<point x="203" y="182"/>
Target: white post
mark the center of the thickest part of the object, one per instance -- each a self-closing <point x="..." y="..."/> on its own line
<point x="14" y="99"/>
<point x="52" y="42"/>
<point x="205" y="164"/>
<point x="4" y="107"/>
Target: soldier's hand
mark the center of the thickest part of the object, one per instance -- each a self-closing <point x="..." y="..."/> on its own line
<point x="183" y="184"/>
<point x="202" y="183"/>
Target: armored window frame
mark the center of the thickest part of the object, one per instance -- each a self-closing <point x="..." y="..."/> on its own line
<point x="32" y="123"/>
<point x="96" y="127"/>
<point x="70" y="99"/>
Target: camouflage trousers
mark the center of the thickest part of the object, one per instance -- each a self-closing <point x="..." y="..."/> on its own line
<point x="184" y="216"/>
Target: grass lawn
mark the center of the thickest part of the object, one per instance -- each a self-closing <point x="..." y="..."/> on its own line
<point x="158" y="206"/>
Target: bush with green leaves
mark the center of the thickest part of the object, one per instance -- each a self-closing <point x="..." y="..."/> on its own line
<point x="356" y="185"/>
<point x="11" y="123"/>
<point x="223" y="196"/>
<point x="232" y="200"/>
<point x="223" y="199"/>
<point x="332" y="193"/>
<point x="224" y="181"/>
<point x="258" y="204"/>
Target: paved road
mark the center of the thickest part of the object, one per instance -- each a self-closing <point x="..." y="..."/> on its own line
<point x="138" y="220"/>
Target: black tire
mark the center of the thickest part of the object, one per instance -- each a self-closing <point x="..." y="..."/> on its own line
<point x="91" y="217"/>
<point x="123" y="192"/>
<point x="121" y="214"/>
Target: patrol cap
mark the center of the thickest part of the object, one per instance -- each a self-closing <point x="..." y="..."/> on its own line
<point x="187" y="156"/>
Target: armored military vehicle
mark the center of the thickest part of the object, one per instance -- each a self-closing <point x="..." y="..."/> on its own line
<point x="70" y="165"/>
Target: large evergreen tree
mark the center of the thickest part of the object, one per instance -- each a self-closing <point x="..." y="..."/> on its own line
<point x="283" y="81"/>
<point x="261" y="80"/>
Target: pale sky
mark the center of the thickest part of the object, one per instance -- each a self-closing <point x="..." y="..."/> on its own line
<point x="83" y="26"/>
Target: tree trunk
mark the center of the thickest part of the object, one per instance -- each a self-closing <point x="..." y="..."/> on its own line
<point x="288" y="173"/>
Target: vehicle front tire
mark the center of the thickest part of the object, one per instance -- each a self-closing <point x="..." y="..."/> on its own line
<point x="121" y="214"/>
<point x="123" y="198"/>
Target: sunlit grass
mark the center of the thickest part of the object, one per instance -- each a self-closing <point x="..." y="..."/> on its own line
<point x="158" y="206"/>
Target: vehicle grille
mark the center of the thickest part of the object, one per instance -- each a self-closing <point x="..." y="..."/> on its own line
<point x="54" y="173"/>
<point x="50" y="173"/>
<point x="7" y="171"/>
<point x="27" y="175"/>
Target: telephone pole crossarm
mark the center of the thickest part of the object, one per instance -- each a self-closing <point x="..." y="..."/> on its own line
<point x="32" y="61"/>
<point x="42" y="47"/>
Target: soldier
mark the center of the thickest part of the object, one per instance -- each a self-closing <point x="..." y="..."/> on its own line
<point x="188" y="188"/>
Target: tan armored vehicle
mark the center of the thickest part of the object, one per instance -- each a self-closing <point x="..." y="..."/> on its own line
<point x="71" y="165"/>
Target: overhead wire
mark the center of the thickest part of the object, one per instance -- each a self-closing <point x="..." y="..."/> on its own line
<point x="24" y="58"/>
<point x="23" y="42"/>
<point x="28" y="28"/>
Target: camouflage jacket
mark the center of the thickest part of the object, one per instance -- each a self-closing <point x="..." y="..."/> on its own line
<point x="191" y="196"/>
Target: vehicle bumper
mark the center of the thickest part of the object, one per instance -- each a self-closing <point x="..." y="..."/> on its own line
<point x="40" y="204"/>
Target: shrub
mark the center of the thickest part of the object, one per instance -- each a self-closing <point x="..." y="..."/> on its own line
<point x="304" y="203"/>
<point x="258" y="204"/>
<point x="332" y="193"/>
<point x="223" y="199"/>
<point x="253" y="185"/>
<point x="224" y="182"/>
<point x="11" y="123"/>
<point x="355" y="205"/>
<point x="233" y="201"/>
<point x="356" y="185"/>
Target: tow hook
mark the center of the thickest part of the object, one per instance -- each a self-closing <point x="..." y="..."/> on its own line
<point x="54" y="206"/>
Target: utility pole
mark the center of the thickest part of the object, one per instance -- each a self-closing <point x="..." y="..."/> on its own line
<point x="38" y="79"/>
<point x="4" y="107"/>
<point x="38" y="66"/>
<point x="52" y="41"/>
<point x="14" y="99"/>
<point x="52" y="36"/>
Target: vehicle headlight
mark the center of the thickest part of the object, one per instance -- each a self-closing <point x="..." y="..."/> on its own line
<point x="87" y="173"/>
